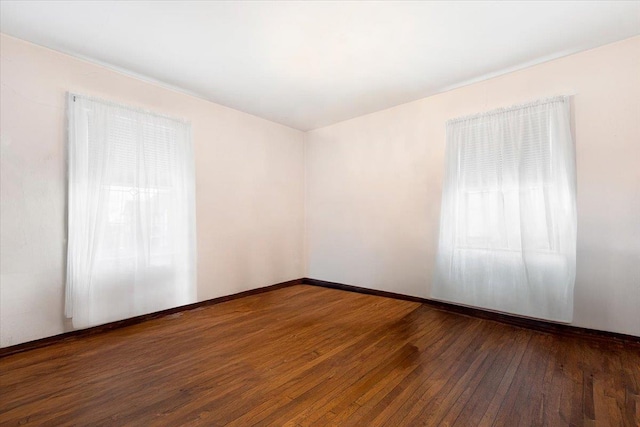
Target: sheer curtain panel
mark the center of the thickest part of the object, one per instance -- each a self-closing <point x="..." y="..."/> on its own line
<point x="508" y="220"/>
<point x="131" y="213"/>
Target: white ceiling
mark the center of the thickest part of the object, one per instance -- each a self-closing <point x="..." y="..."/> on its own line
<point x="310" y="64"/>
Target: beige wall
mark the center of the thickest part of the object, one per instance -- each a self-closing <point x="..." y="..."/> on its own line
<point x="249" y="187"/>
<point x="374" y="184"/>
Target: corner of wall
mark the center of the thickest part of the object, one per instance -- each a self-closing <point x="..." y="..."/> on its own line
<point x="305" y="216"/>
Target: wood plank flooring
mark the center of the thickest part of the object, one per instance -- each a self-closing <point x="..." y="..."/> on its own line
<point x="309" y="356"/>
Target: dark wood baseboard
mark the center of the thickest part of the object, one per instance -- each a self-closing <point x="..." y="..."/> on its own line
<point x="29" y="345"/>
<point x="523" y="322"/>
<point x="539" y="325"/>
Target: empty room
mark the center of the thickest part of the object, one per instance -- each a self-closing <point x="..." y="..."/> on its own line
<point x="320" y="213"/>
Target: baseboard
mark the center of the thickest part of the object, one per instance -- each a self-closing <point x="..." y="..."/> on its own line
<point x="30" y="345"/>
<point x="538" y="325"/>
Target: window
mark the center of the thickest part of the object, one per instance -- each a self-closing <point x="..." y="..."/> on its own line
<point x="131" y="247"/>
<point x="508" y="222"/>
<point x="499" y="169"/>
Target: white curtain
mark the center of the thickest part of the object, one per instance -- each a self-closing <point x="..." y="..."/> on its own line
<point x="508" y="220"/>
<point x="131" y="213"/>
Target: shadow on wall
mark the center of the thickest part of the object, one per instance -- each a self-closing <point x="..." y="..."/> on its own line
<point x="593" y="283"/>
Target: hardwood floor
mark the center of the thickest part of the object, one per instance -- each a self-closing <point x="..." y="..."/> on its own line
<point x="305" y="355"/>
